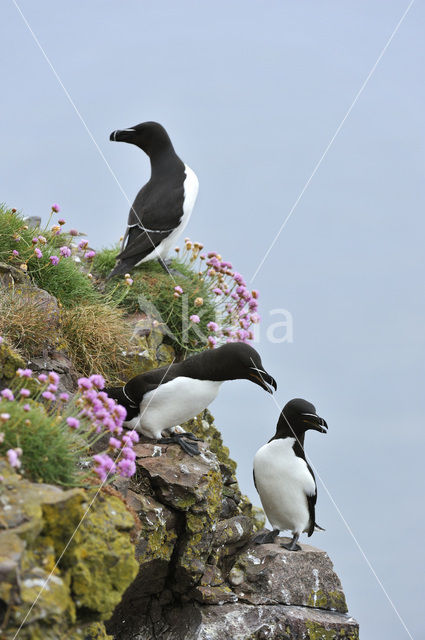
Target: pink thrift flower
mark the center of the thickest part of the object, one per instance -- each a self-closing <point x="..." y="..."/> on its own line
<point x="53" y="377"/>
<point x="65" y="251"/>
<point x="90" y="254"/>
<point x="38" y="253"/>
<point x="42" y="239"/>
<point x="13" y="458"/>
<point x="42" y="377"/>
<point x="211" y="341"/>
<point x="73" y="232"/>
<point x="61" y="221"/>
<point x="83" y="244"/>
<point x="15" y="253"/>
<point x="25" y="393"/>
<point x="128" y="453"/>
<point x="127" y="441"/>
<point x="54" y="260"/>
<point x="48" y="395"/>
<point x="7" y="394"/>
<point x="64" y="397"/>
<point x="55" y="208"/>
<point x="133" y="435"/>
<point x="74" y="423"/>
<point x="127" y="468"/>
<point x="26" y="407"/>
<point x="52" y="387"/>
<point x="101" y="473"/>
<point x="84" y="383"/>
<point x="212" y="326"/>
<point x="178" y="289"/>
<point x="105" y="462"/>
<point x="255" y="294"/>
<point x="1" y="340"/>
<point x="238" y="278"/>
<point x="114" y="443"/>
<point x="253" y="304"/>
<point x="195" y="319"/>
<point x="24" y="373"/>
<point x="97" y="380"/>
<point x="217" y="291"/>
<point x="34" y="240"/>
<point x="4" y="417"/>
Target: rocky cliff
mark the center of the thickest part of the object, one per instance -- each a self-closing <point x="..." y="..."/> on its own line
<point x="164" y="555"/>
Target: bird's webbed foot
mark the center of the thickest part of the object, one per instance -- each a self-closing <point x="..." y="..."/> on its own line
<point x="179" y="431"/>
<point x="190" y="448"/>
<point x="292" y="546"/>
<point x="266" y="538"/>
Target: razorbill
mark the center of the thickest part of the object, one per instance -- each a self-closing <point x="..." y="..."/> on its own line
<point x="284" y="479"/>
<point x="162" y="207"/>
<point x="161" y="399"/>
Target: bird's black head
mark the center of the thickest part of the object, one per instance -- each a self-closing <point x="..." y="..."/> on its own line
<point x="297" y="417"/>
<point x="238" y="360"/>
<point x="151" y="137"/>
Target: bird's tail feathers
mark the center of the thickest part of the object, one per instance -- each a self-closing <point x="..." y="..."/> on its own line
<point x="119" y="270"/>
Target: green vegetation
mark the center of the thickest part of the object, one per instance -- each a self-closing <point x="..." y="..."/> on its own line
<point x="67" y="281"/>
<point x="153" y="287"/>
<point x="50" y="449"/>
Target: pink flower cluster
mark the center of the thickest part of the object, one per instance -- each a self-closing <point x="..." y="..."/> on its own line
<point x="91" y="411"/>
<point x="236" y="306"/>
<point x="69" y="250"/>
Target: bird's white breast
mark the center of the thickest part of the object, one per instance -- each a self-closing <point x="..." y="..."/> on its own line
<point x="190" y="189"/>
<point x="283" y="482"/>
<point x="174" y="402"/>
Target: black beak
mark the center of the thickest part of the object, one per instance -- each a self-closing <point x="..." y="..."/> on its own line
<point x="263" y="379"/>
<point x="122" y="135"/>
<point x="315" y="422"/>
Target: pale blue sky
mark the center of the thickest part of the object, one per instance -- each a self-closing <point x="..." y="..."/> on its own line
<point x="251" y="93"/>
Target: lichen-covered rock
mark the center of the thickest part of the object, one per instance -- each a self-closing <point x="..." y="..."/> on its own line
<point x="65" y="556"/>
<point x="263" y="622"/>
<point x="152" y="352"/>
<point x="192" y="485"/>
<point x="270" y="574"/>
<point x="93" y="631"/>
<point x="10" y="361"/>
<point x="233" y="501"/>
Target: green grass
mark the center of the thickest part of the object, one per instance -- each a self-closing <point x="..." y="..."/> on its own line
<point x="66" y="281"/>
<point x="49" y="446"/>
<point x="153" y="286"/>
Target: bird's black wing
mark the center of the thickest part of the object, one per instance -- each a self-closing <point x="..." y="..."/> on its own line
<point x="155" y="213"/>
<point x="149" y="381"/>
<point x="117" y="394"/>
<point x="140" y="243"/>
<point x="158" y="206"/>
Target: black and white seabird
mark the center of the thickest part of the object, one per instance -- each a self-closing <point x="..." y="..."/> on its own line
<point x="161" y="399"/>
<point x="284" y="479"/>
<point x="162" y="207"/>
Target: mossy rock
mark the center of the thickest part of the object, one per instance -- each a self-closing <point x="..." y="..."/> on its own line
<point x="10" y="361"/>
<point x="318" y="632"/>
<point x="94" y="631"/>
<point x="203" y="427"/>
<point x="100" y="559"/>
<point x="82" y="585"/>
